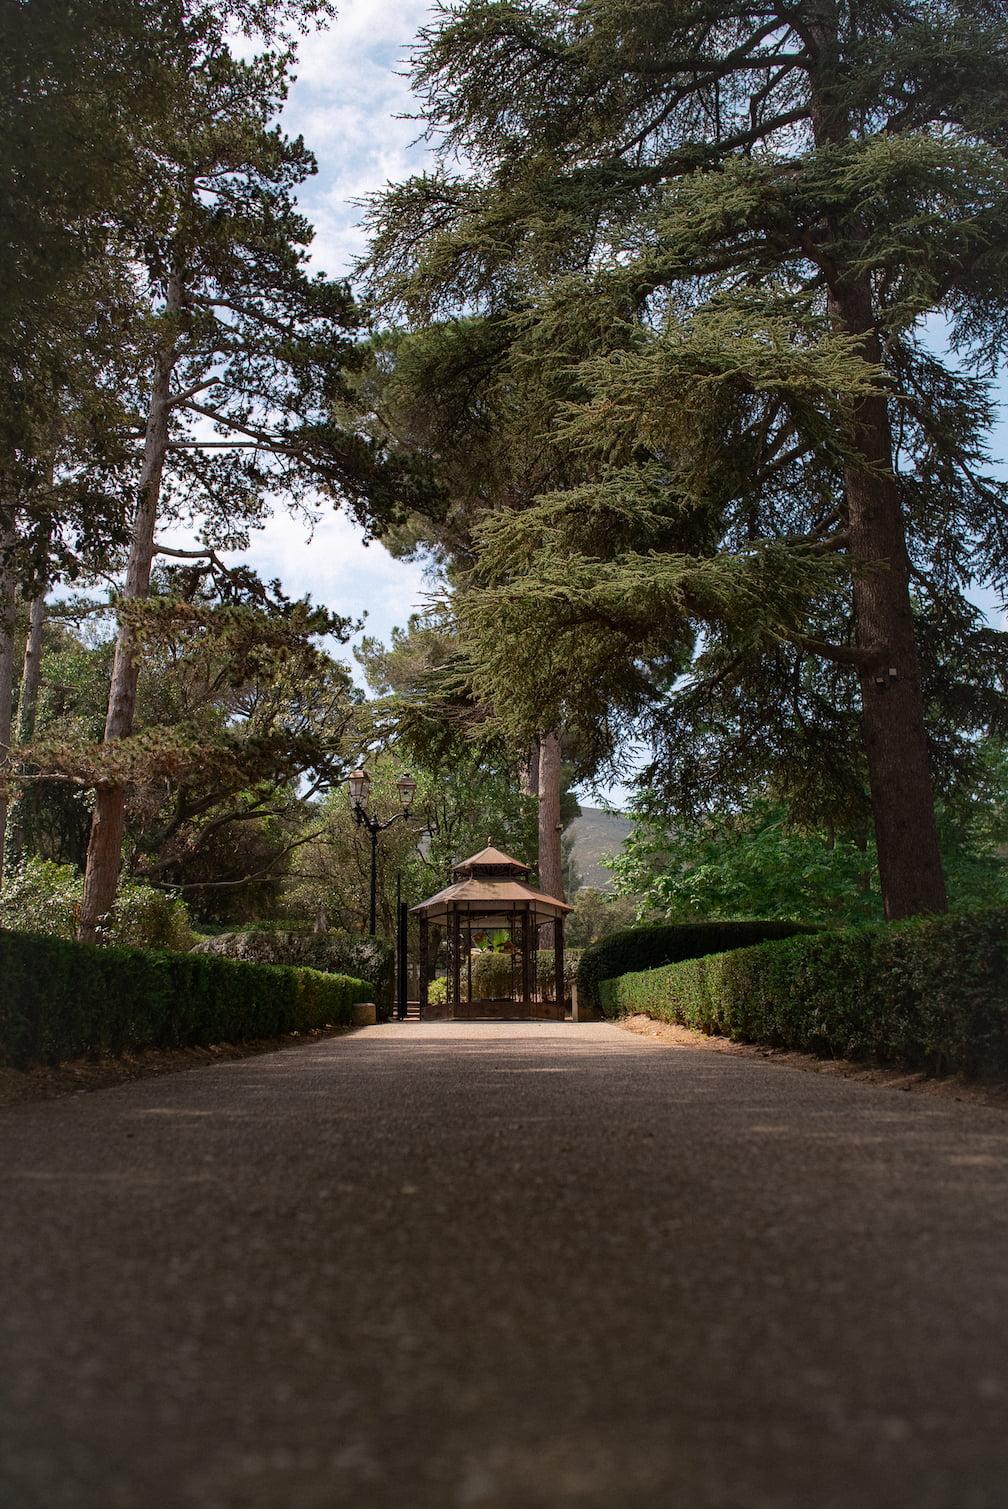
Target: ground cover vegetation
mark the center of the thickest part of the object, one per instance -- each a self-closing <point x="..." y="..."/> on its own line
<point x="736" y="275"/>
<point x="931" y="994"/>
<point x="65" y="999"/>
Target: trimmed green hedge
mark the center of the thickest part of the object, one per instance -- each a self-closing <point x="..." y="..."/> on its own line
<point x="931" y="994"/>
<point x="669" y="943"/>
<point x="339" y="953"/>
<point x="61" y="1000"/>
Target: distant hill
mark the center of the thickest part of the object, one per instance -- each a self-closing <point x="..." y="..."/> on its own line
<point x="596" y="835"/>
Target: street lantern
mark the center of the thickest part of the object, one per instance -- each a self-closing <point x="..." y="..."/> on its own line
<point x="360" y="785"/>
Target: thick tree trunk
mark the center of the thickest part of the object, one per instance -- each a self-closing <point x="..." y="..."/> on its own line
<point x="892" y="701"/>
<point x="104" y="857"/>
<point x="8" y="605"/>
<point x="14" y="844"/>
<point x="550" y="857"/>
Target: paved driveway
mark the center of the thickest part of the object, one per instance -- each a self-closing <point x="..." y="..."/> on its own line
<point x="507" y="1265"/>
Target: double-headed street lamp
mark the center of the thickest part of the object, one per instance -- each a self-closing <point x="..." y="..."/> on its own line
<point x="360" y="789"/>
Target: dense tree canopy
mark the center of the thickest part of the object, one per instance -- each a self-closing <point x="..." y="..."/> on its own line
<point x="677" y="373"/>
<point x="761" y="208"/>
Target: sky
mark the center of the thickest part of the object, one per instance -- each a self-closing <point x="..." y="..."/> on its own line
<point x="346" y="102"/>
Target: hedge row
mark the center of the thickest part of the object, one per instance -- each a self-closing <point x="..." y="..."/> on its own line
<point x="336" y="952"/>
<point x="931" y="994"/>
<point x="61" y="1000"/>
<point x="669" y="943"/>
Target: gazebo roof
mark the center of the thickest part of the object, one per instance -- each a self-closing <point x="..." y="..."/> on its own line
<point x="490" y="861"/>
<point x="490" y="885"/>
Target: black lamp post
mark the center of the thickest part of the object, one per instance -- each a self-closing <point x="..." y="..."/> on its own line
<point x="360" y="790"/>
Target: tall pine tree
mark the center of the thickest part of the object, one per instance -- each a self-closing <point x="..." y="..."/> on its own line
<point x="770" y="201"/>
<point x="245" y="352"/>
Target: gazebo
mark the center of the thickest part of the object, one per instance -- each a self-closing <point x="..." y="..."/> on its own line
<point x="491" y="906"/>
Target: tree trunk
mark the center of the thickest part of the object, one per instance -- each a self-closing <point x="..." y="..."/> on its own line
<point x="550" y="858"/>
<point x="104" y="857"/>
<point x="31" y="671"/>
<point x="892" y="701"/>
<point x="8" y="605"/>
<point x="14" y="843"/>
<point x="528" y="770"/>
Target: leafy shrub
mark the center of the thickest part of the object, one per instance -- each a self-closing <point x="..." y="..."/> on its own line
<point x="932" y="993"/>
<point x="545" y="969"/>
<point x="491" y="975"/>
<point x="143" y="917"/>
<point x="60" y="999"/>
<point x="355" y="954"/>
<point x="638" y="948"/>
<point x="40" y="896"/>
<point x="755" y="863"/>
<point x="595" y="914"/>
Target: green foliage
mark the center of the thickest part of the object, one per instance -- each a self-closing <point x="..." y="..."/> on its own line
<point x="81" y="87"/>
<point x="494" y="977"/>
<point x="973" y="827"/>
<point x="60" y="1000"/>
<point x="335" y="952"/>
<point x="750" y="864"/>
<point x="932" y="993"/>
<point x="653" y="219"/>
<point x="242" y="717"/>
<point x="546" y="970"/>
<point x="761" y="863"/>
<point x="43" y="897"/>
<point x="595" y="914"/>
<point x="492" y="974"/>
<point x="668" y="943"/>
<point x="456" y="807"/>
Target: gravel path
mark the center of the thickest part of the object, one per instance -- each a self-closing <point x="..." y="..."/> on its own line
<point x="507" y="1266"/>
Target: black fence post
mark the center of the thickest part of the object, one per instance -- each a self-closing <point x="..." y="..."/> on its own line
<point x="402" y="961"/>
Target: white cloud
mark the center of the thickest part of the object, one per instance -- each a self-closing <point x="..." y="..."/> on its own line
<point x="330" y="563"/>
<point x="338" y="570"/>
<point x="346" y="99"/>
<point x="348" y="91"/>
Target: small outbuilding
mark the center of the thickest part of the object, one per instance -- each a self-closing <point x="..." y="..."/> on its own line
<point x="491" y="916"/>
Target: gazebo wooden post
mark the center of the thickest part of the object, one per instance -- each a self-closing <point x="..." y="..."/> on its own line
<point x="424" y="965"/>
<point x="558" y="967"/>
<point x="456" y="950"/>
<point x="526" y="933"/>
<point x="513" y="933"/>
<point x="469" y="958"/>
